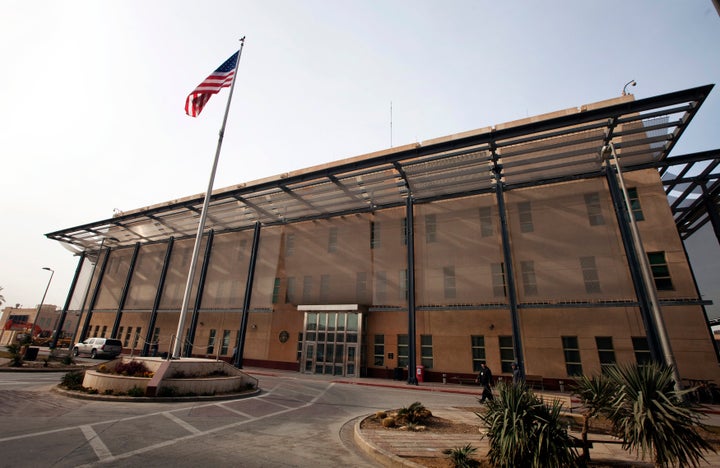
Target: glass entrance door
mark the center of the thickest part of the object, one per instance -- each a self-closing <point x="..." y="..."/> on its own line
<point x="331" y="342"/>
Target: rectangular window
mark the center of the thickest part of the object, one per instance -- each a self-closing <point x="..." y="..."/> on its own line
<point x="403" y="284"/>
<point x="590" y="274"/>
<point x="225" y="342"/>
<point x="307" y="289"/>
<point x="324" y="288"/>
<point x="211" y="342"/>
<point x="606" y="352"/>
<point x="507" y="353"/>
<point x="525" y="217"/>
<point x="381" y="286"/>
<point x="594" y="210"/>
<point x="379" y="350"/>
<point x="276" y="291"/>
<point x="497" y="270"/>
<point x="635" y="204"/>
<point x="126" y="342"/>
<point x="426" y="351"/>
<point x="404" y="232"/>
<point x="402" y="350"/>
<point x="449" y="282"/>
<point x="430" y="228"/>
<point x="361" y="287"/>
<point x="289" y="244"/>
<point x="660" y="271"/>
<point x="642" y="350"/>
<point x="104" y="330"/>
<point x="527" y="269"/>
<point x="374" y="235"/>
<point x="97" y="329"/>
<point x="486" y="224"/>
<point x="332" y="240"/>
<point x="290" y="290"/>
<point x="136" y="338"/>
<point x="298" y="354"/>
<point x="477" y="344"/>
<point x="119" y="335"/>
<point x="571" y="349"/>
<point x="156" y="335"/>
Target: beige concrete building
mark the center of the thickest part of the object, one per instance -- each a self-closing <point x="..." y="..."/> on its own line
<point x="19" y="320"/>
<point x="504" y="244"/>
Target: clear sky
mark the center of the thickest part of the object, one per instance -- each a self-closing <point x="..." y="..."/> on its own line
<point x="92" y="93"/>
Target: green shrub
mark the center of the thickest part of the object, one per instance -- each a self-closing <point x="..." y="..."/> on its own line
<point x="136" y="392"/>
<point x="73" y="380"/>
<point x="461" y="457"/>
<point x="415" y="413"/>
<point x="524" y="431"/>
<point x="132" y="369"/>
<point x="167" y="392"/>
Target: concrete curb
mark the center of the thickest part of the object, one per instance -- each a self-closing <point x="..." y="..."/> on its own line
<point x="378" y="454"/>
<point x="179" y="399"/>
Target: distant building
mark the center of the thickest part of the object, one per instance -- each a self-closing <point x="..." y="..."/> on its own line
<point x="503" y="244"/>
<point x="16" y="321"/>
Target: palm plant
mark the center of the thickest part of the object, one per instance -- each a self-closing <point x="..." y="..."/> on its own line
<point x="461" y="457"/>
<point x="653" y="418"/>
<point x="596" y="394"/>
<point x="524" y="431"/>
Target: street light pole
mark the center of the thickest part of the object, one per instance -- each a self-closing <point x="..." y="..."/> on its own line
<point x="42" y="301"/>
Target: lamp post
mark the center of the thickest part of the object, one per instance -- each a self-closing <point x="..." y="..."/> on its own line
<point x="42" y="301"/>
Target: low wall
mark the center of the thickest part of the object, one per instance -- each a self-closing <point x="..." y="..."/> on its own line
<point x="178" y="376"/>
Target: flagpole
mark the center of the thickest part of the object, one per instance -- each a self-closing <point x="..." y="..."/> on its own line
<point x="179" y="337"/>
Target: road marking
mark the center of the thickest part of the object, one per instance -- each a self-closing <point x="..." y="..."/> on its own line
<point x="167" y="443"/>
<point x="100" y="449"/>
<point x="190" y="428"/>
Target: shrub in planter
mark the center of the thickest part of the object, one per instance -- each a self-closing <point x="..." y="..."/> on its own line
<point x="73" y="380"/>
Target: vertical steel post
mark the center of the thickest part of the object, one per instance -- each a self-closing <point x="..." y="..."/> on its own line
<point x="63" y="314"/>
<point x="93" y="299"/>
<point x="633" y="264"/>
<point x="198" y="297"/>
<point x="238" y="360"/>
<point x="125" y="290"/>
<point x="412" y="341"/>
<point x="158" y="296"/>
<point x="509" y="270"/>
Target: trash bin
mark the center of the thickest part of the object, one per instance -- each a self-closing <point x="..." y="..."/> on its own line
<point x="398" y="373"/>
<point x="420" y="373"/>
<point x="31" y="354"/>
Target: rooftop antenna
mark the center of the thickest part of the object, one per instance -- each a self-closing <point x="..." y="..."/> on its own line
<point x="629" y="83"/>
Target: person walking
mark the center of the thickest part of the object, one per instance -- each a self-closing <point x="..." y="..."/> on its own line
<point x="516" y="375"/>
<point x="485" y="379"/>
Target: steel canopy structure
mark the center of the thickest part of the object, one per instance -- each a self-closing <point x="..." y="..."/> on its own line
<point x="561" y="146"/>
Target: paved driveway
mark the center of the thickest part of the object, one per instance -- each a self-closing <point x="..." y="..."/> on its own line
<point x="295" y="421"/>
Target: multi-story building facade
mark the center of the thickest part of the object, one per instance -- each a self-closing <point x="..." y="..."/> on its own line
<point x="505" y="244"/>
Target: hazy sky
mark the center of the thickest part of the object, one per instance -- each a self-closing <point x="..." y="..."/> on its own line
<point x="92" y="93"/>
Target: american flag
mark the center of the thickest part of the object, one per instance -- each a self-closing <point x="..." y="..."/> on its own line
<point x="219" y="79"/>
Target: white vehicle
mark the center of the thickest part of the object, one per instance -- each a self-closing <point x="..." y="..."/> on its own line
<point x="98" y="346"/>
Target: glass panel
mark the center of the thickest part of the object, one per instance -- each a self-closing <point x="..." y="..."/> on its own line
<point x="352" y="322"/>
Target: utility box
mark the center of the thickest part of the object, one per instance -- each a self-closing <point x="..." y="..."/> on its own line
<point x="420" y="373"/>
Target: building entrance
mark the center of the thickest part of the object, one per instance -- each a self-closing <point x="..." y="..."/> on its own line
<point x="331" y="342"/>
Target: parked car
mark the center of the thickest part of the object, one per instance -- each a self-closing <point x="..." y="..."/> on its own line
<point x="98" y="346"/>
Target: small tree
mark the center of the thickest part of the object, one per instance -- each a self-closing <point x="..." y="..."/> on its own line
<point x="596" y="394"/>
<point x="653" y="418"/>
<point x="524" y="431"/>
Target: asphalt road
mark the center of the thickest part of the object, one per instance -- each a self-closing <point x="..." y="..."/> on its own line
<point x="295" y="421"/>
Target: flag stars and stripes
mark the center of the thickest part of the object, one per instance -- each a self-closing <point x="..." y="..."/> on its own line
<point x="220" y="78"/>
